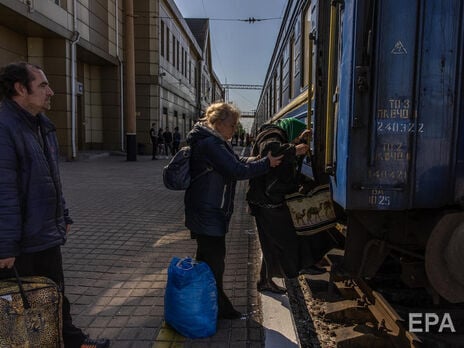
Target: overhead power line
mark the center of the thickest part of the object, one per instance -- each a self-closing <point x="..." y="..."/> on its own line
<point x="240" y="86"/>
<point x="228" y="86"/>
<point x="250" y="20"/>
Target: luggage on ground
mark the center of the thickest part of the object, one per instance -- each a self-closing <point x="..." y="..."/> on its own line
<point x="190" y="302"/>
<point x="30" y="313"/>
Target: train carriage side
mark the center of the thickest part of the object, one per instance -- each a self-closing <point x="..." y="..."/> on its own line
<point x="396" y="161"/>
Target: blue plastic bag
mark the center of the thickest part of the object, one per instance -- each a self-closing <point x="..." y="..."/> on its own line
<point x="190" y="301"/>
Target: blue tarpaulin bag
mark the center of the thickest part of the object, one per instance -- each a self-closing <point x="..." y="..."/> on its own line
<point x="190" y="301"/>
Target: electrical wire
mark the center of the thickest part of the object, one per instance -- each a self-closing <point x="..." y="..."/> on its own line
<point x="250" y="20"/>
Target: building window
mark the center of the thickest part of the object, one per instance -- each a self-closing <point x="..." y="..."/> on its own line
<point x="162" y="38"/>
<point x="176" y="120"/>
<point x="184" y="126"/>
<point x="177" y="52"/>
<point x="165" y="118"/>
<point x="173" y="50"/>
<point x="183" y="62"/>
<point x="167" y="44"/>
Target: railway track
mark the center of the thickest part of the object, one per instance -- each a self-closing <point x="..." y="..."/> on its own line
<point x="332" y="310"/>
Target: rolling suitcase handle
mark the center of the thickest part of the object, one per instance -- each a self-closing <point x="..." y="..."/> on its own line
<point x="21" y="289"/>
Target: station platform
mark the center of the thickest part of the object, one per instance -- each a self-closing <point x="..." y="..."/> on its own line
<point x="126" y="229"/>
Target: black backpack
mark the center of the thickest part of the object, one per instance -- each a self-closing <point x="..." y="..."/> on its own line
<point x="176" y="175"/>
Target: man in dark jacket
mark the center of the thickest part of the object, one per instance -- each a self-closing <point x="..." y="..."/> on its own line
<point x="34" y="220"/>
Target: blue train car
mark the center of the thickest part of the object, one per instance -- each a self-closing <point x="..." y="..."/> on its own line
<point x="381" y="84"/>
<point x="398" y="137"/>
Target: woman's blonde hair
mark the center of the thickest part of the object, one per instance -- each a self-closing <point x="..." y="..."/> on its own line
<point x="219" y="112"/>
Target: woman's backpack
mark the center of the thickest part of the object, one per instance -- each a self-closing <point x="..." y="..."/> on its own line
<point x="176" y="175"/>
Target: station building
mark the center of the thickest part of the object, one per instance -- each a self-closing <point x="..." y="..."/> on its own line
<point x="88" y="42"/>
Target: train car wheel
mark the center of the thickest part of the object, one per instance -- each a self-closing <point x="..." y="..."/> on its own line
<point x="444" y="257"/>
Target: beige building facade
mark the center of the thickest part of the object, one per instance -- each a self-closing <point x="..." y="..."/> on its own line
<point x="83" y="41"/>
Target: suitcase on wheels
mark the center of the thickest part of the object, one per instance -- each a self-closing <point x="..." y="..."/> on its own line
<point x="30" y="313"/>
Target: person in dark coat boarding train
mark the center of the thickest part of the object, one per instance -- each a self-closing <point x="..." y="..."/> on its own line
<point x="266" y="197"/>
<point x="209" y="201"/>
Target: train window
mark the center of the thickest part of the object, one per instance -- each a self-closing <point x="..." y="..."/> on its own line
<point x="281" y="82"/>
<point x="274" y="101"/>
<point x="291" y="70"/>
<point x="269" y="100"/>
<point x="306" y="48"/>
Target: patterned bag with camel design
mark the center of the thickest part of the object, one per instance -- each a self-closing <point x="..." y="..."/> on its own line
<point x="312" y="212"/>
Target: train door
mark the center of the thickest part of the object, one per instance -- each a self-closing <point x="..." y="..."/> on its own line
<point x="319" y="18"/>
<point x="333" y="65"/>
<point x="402" y="143"/>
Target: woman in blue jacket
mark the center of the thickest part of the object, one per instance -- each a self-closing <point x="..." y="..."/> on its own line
<point x="209" y="201"/>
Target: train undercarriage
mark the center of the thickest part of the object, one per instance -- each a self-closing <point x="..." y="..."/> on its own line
<point x="428" y="246"/>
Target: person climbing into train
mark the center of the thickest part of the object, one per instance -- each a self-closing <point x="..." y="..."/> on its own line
<point x="266" y="199"/>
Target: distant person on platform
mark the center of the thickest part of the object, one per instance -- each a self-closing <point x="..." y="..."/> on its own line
<point x="154" y="141"/>
<point x="161" y="142"/>
<point x="247" y="140"/>
<point x="34" y="220"/>
<point x="175" y="141"/>
<point x="167" y="136"/>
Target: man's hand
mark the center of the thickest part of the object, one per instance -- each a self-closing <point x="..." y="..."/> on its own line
<point x="7" y="263"/>
<point x="68" y="228"/>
